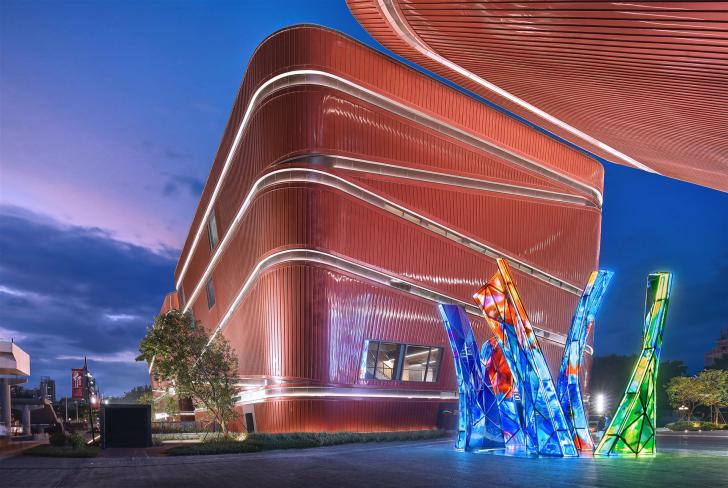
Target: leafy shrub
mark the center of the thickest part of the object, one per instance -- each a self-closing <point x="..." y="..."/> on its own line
<point x="76" y="441"/>
<point x="58" y="439"/>
<point x="296" y="440"/>
<point x="694" y="426"/>
<point x="54" y="451"/>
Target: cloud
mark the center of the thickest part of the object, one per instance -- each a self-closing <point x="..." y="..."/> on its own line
<point x="179" y="184"/>
<point x="172" y="154"/>
<point x="68" y="292"/>
<point x="121" y="317"/>
<point x="115" y="357"/>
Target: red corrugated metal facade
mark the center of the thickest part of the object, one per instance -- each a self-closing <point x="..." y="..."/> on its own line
<point x="643" y="83"/>
<point x="356" y="191"/>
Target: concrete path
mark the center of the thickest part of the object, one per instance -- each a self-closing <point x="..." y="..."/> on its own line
<point x="692" y="460"/>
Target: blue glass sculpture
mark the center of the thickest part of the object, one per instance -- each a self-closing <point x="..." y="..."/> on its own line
<point x="568" y="385"/>
<point x="502" y="381"/>
<point x="479" y="425"/>
<point x="546" y="427"/>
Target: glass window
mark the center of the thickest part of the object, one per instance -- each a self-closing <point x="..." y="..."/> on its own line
<point x="387" y="361"/>
<point x="415" y="363"/>
<point x="210" y="294"/>
<point x="212" y="231"/>
<point x="433" y="365"/>
<point x="182" y="298"/>
<point x="370" y="360"/>
<point x="391" y="361"/>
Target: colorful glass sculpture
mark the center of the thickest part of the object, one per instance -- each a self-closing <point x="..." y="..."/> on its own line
<point x="479" y="425"/>
<point x="546" y="426"/>
<point x="632" y="429"/>
<point x="568" y="385"/>
<point x="501" y="379"/>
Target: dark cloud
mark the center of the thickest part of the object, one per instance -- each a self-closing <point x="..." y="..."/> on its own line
<point x="172" y="154"/>
<point x="73" y="291"/>
<point x="179" y="184"/>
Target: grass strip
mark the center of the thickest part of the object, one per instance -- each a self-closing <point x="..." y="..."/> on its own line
<point x="298" y="440"/>
<point x="62" y="451"/>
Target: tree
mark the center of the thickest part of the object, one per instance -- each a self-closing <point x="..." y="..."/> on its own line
<point x="201" y="368"/>
<point x="146" y="398"/>
<point x="610" y="375"/>
<point x="685" y="391"/>
<point x="714" y="386"/>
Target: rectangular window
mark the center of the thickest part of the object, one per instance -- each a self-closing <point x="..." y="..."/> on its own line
<point x="182" y="298"/>
<point x="403" y="362"/>
<point x="210" y="288"/>
<point x="415" y="363"/>
<point x="212" y="231"/>
<point x="387" y="361"/>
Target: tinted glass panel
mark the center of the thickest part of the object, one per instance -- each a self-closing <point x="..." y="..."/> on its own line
<point x="212" y="231"/>
<point x="415" y="363"/>
<point x="433" y="366"/>
<point x="387" y="361"/>
<point x="370" y="361"/>
<point x="210" y="294"/>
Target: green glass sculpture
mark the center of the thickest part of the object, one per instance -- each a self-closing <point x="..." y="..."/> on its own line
<point x="632" y="430"/>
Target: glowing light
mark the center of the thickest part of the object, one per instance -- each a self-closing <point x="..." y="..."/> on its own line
<point x="544" y="422"/>
<point x="600" y="404"/>
<point x="632" y="430"/>
<point x="479" y="424"/>
<point x="568" y="384"/>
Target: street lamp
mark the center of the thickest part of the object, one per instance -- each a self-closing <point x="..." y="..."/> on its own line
<point x="600" y="403"/>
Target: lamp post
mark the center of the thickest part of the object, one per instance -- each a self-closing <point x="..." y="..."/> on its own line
<point x="600" y="403"/>
<point x="682" y="409"/>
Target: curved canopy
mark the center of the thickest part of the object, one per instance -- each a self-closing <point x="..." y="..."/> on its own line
<point x="644" y="84"/>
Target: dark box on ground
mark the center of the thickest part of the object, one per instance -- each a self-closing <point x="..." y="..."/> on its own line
<point x="126" y="426"/>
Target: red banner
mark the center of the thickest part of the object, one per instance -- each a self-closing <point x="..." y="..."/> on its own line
<point x="78" y="383"/>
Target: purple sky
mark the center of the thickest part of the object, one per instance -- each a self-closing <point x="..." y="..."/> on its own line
<point x="110" y="116"/>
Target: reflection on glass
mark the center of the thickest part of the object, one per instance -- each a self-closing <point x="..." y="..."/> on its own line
<point x="415" y="363"/>
<point x="370" y="360"/>
<point x="392" y="361"/>
<point x="387" y="360"/>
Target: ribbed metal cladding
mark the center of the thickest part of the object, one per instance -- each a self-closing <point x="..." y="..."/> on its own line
<point x="648" y="79"/>
<point x="332" y="169"/>
<point x="318" y="415"/>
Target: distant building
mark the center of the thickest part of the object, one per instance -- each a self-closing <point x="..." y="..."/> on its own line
<point x="719" y="352"/>
<point x="48" y="388"/>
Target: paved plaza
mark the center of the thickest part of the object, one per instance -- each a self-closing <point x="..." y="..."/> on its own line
<point x="700" y="460"/>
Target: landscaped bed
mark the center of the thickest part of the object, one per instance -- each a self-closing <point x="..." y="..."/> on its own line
<point x="297" y="440"/>
<point x="694" y="426"/>
<point x="63" y="451"/>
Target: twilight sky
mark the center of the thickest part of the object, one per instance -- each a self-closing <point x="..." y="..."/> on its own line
<point x="110" y="116"/>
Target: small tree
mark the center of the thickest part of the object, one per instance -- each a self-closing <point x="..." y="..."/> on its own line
<point x="146" y="398"/>
<point x="685" y="391"/>
<point x="202" y="369"/>
<point x="714" y="386"/>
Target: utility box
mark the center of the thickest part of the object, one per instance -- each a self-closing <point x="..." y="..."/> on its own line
<point x="126" y="426"/>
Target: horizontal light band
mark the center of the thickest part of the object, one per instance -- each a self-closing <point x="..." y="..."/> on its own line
<point x="321" y="78"/>
<point x="311" y="175"/>
<point x="420" y="175"/>
<point x="313" y="256"/>
<point x="333" y="392"/>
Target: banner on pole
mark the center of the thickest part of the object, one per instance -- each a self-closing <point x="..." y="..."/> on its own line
<point x="78" y="383"/>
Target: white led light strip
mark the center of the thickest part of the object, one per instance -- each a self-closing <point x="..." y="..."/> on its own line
<point x="403" y="30"/>
<point x="311" y="175"/>
<point x="321" y="78"/>
<point x="334" y="392"/>
<point x="313" y="256"/>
